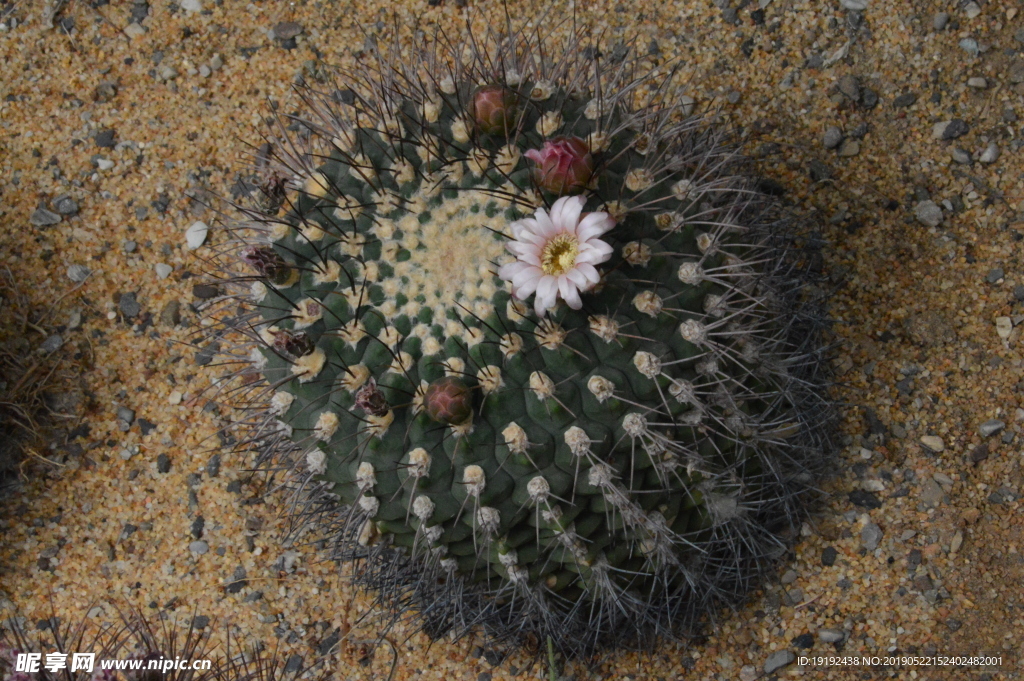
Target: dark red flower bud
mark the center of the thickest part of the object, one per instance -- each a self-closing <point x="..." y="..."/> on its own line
<point x="293" y="343"/>
<point x="371" y="400"/>
<point x="448" y="400"/>
<point x="268" y="263"/>
<point x="494" y="109"/>
<point x="563" y="165"/>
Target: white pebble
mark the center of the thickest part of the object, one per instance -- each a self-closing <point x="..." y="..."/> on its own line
<point x="977" y="83"/>
<point x="195" y="236"/>
<point x="191" y="5"/>
<point x="174" y="397"/>
<point x="104" y="164"/>
<point x="933" y="442"/>
<point x="855" y="5"/>
<point x="205" y="71"/>
<point x="991" y="154"/>
<point x="1004" y="326"/>
<point x="163" y="270"/>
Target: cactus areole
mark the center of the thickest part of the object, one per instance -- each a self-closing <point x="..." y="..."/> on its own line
<point x="541" y="343"/>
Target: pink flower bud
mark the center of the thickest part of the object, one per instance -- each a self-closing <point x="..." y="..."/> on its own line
<point x="563" y="166"/>
<point x="371" y="400"/>
<point x="448" y="400"/>
<point x="493" y="108"/>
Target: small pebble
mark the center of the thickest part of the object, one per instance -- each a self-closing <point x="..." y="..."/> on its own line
<point x="104" y="164"/>
<point x="970" y="46"/>
<point x="855" y="5"/>
<point x="828" y="556"/>
<point x="205" y="71"/>
<point x="928" y="213"/>
<point x="128" y="305"/>
<point x="991" y="153"/>
<point x="949" y="130"/>
<point x="65" y="205"/>
<point x="191" y="5"/>
<point x="1004" y="327"/>
<point x="163" y="270"/>
<point x="74" y="319"/>
<point x="994" y="275"/>
<point x="216" y="62"/>
<point x="831" y="635"/>
<point x="977" y="83"/>
<point x="850" y="86"/>
<point x="870" y="536"/>
<point x="904" y="100"/>
<point x="849" y="148"/>
<point x="44" y="218"/>
<point x="78" y="273"/>
<point x="833" y="136"/>
<point x="778" y="660"/>
<point x="287" y="30"/>
<point x="789" y="577"/>
<point x="167" y="72"/>
<point x="129" y="246"/>
<point x="991" y="427"/>
<point x="940" y="20"/>
<point x="170" y="314"/>
<point x="174" y="397"/>
<point x="51" y="344"/>
<point x="195" y="235"/>
<point x="199" y="547"/>
<point x="972" y="10"/>
<point x="961" y="156"/>
<point x="933" y="442"/>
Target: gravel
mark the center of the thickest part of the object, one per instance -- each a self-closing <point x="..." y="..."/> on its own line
<point x="833" y="136"/>
<point x="195" y="235"/>
<point x="939" y="20"/>
<point x="928" y="213"/>
<point x="991" y="427"/>
<point x="128" y="305"/>
<point x="778" y="660"/>
<point x="65" y="205"/>
<point x="904" y="100"/>
<point x="933" y="443"/>
<point x="78" y="273"/>
<point x="991" y="154"/>
<point x="51" y="344"/>
<point x="961" y="156"/>
<point x="828" y="556"/>
<point x="163" y="270"/>
<point x="44" y="218"/>
<point x="199" y="547"/>
<point x="831" y="635"/>
<point x="870" y="536"/>
<point x="950" y="130"/>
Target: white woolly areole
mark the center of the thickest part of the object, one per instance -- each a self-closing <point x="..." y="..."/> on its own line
<point x="647" y="364"/>
<point x="513" y="77"/>
<point x="682" y="189"/>
<point x="279" y="230"/>
<point x="549" y="123"/>
<point x="311" y="231"/>
<point x="449" y="565"/>
<point x="401" y="363"/>
<point x="542" y="385"/>
<point x="307" y="312"/>
<point x="510" y="344"/>
<point x="714" y="305"/>
<point x="636" y="253"/>
<point x="691" y="273"/>
<point x="509" y="559"/>
<point x="488" y="519"/>
<point x="474" y="479"/>
<point x="460" y="133"/>
<point x="490" y="379"/>
<point x="648" y="302"/>
<point x="593" y="110"/>
<point x="281" y="401"/>
<point x="369" y="505"/>
<point x="693" y="331"/>
<point x="604" y="327"/>
<point x="706" y="243"/>
<point x="258" y="291"/>
<point x="378" y="425"/>
<point x="515" y="438"/>
<point x="419" y="463"/>
<point x="683" y="391"/>
<point x="578" y="441"/>
<point x="257" y="359"/>
<point x="600" y="475"/>
<point x="326" y="425"/>
<point x="600" y="387"/>
<point x="634" y="424"/>
<point x="316" y="461"/>
<point x="598" y="141"/>
<point x="366" y="476"/>
<point x="539" y="489"/>
<point x="317" y="185"/>
<point x="549" y="334"/>
<point x="309" y="366"/>
<point x="639" y="179"/>
<point x="353" y="378"/>
<point x="352" y="332"/>
<point x="507" y="159"/>
<point x="284" y="428"/>
<point x="479" y="161"/>
<point x="542" y="89"/>
<point x="454" y="366"/>
<point x="423" y="507"/>
<point x="668" y="222"/>
<point x="447" y="85"/>
<point x="707" y="367"/>
<point x="328" y="273"/>
<point x="432" y="534"/>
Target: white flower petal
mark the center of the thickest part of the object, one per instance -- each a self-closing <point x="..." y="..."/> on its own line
<point x="569" y="292"/>
<point x="568" y="209"/>
<point x="577" y="277"/>
<point x="588" y="271"/>
<point x="593" y="225"/>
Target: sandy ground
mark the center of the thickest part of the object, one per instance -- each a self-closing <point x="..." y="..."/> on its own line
<point x="918" y="551"/>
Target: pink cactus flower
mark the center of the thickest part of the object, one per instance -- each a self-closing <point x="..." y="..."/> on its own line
<point x="564" y="165"/>
<point x="493" y="109"/>
<point x="557" y="253"/>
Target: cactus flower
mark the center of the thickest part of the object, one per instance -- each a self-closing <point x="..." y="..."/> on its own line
<point x="564" y="165"/>
<point x="493" y="109"/>
<point x="557" y="253"/>
<point x="448" y="400"/>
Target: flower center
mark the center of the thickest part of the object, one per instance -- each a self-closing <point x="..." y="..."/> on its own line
<point x="559" y="255"/>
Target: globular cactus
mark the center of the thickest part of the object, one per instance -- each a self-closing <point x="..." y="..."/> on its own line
<point x="536" y="333"/>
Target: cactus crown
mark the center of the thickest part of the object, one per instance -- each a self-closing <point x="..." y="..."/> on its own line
<point x="535" y="332"/>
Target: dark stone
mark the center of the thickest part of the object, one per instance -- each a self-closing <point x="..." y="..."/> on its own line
<point x="197" y="527"/>
<point x="819" y="171"/>
<point x="146" y="427"/>
<point x="140" y="10"/>
<point x="293" y="664"/>
<point x="128" y="530"/>
<point x="994" y="275"/>
<point x="289" y="44"/>
<point x="904" y="100"/>
<point x="236" y="586"/>
<point x="956" y="128"/>
<point x="906" y="386"/>
<point x="128" y="305"/>
<point x="493" y="657"/>
<point x="170" y="315"/>
<point x="1018" y="292"/>
<point x="757" y="16"/>
<point x="868" y="98"/>
<point x="65" y="205"/>
<point x="815" y="62"/>
<point x="163" y="463"/>
<point x="859" y="132"/>
<point x="875" y="426"/>
<point x="914" y="557"/>
<point x="213" y="466"/>
<point x="770" y="187"/>
<point x="44" y="218"/>
<point x="328" y="643"/>
<point x="287" y="29"/>
<point x="205" y="291"/>
<point x="200" y="621"/>
<point x="235" y="487"/>
<point x="206" y="354"/>
<point x="864" y="499"/>
<point x="804" y="641"/>
<point x="828" y="556"/>
<point x="104" y="138"/>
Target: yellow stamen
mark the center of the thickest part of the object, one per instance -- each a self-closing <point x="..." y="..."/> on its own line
<point x="559" y="255"/>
